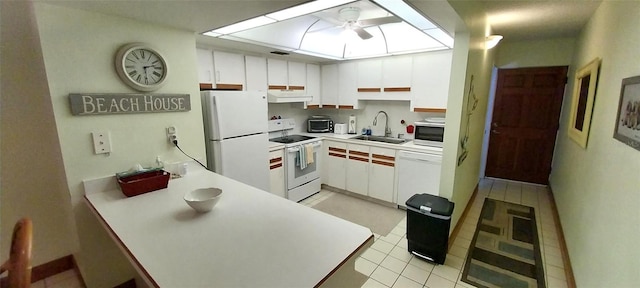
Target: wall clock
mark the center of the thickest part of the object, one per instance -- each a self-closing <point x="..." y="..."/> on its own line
<point x="141" y="67"/>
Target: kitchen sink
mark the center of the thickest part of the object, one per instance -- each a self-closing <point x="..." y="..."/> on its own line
<point x="380" y="139"/>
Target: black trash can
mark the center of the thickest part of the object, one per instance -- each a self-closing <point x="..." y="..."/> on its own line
<point x="428" y="223"/>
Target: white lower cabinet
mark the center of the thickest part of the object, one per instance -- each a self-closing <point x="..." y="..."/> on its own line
<point x="366" y="170"/>
<point x="382" y="174"/>
<point x="276" y="172"/>
<point x="334" y="170"/>
<point x="358" y="168"/>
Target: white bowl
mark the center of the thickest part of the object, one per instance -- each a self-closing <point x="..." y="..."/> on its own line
<point x="203" y="199"/>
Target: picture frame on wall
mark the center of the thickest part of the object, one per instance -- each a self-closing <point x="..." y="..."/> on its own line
<point x="584" y="94"/>
<point x="627" y="128"/>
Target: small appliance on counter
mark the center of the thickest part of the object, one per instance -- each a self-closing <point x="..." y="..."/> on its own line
<point x="319" y="124"/>
<point x="340" y="128"/>
<point x="429" y="132"/>
<point x="352" y="125"/>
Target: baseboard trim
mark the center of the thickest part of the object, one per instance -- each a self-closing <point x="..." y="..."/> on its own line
<point x="54" y="267"/>
<point x="568" y="271"/>
<point x="456" y="229"/>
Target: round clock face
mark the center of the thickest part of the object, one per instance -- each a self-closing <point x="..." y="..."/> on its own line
<point x="141" y="67"/>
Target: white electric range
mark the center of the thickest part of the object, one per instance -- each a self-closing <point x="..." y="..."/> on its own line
<point x="301" y="182"/>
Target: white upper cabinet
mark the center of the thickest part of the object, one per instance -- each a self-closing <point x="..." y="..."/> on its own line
<point x="430" y="88"/>
<point x="229" y="70"/>
<point x="396" y="73"/>
<point x="313" y="84"/>
<point x="205" y="66"/>
<point x="385" y="78"/>
<point x="284" y="74"/>
<point x="370" y="75"/>
<point x="297" y="74"/>
<point x="277" y="72"/>
<point x="329" y="86"/>
<point x="347" y="85"/>
<point x="256" y="69"/>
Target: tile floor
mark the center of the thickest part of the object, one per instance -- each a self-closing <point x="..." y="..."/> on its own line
<point x="388" y="264"/>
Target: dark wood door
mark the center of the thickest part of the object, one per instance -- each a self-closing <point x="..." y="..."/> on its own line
<point x="525" y="122"/>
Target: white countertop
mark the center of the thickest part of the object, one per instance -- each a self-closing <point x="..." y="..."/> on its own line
<point x="252" y="238"/>
<point x="408" y="146"/>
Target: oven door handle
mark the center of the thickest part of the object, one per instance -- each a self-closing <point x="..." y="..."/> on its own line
<point x="296" y="149"/>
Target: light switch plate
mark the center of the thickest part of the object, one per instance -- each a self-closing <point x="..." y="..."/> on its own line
<point x="101" y="142"/>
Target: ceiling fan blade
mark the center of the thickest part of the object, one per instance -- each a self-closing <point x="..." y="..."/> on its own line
<point x="364" y="35"/>
<point x="379" y="21"/>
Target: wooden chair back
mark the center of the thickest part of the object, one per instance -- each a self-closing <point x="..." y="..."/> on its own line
<point x="19" y="263"/>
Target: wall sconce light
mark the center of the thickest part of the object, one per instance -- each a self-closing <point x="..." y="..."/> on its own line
<point x="492" y="40"/>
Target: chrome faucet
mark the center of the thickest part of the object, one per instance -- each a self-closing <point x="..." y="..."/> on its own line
<point x="387" y="131"/>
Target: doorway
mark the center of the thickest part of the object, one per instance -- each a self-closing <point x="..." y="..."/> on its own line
<point x="524" y="123"/>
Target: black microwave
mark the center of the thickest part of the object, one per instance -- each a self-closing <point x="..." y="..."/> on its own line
<point x="429" y="134"/>
<point x="319" y="124"/>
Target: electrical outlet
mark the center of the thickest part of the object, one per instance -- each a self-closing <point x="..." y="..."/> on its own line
<point x="172" y="134"/>
<point x="101" y="142"/>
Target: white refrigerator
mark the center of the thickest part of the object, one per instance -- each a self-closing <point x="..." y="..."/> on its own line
<point x="235" y="124"/>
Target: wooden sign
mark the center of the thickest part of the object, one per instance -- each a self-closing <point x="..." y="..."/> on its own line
<point x="102" y="104"/>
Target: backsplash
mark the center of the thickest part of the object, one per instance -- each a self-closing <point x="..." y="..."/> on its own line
<point x="397" y="111"/>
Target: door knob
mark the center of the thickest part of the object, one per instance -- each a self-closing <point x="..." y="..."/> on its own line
<point x="494" y="131"/>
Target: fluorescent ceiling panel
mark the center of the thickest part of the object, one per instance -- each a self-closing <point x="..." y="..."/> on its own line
<point x="408" y="14"/>
<point x="305" y="9"/>
<point x="244" y="25"/>
<point x="441" y="36"/>
<point x="402" y="37"/>
<point x="286" y="33"/>
<point x="358" y="48"/>
<point x="322" y="33"/>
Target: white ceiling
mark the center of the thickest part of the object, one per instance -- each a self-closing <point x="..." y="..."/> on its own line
<point x="515" y="19"/>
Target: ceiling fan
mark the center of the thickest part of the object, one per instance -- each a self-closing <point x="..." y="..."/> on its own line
<point x="349" y="19"/>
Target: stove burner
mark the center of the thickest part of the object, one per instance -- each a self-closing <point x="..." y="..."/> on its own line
<point x="291" y="139"/>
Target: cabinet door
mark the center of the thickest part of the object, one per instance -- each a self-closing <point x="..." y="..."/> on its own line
<point x="229" y="70"/>
<point x="313" y="85"/>
<point x="205" y="66"/>
<point x="358" y="169"/>
<point x="277" y="74"/>
<point x="276" y="172"/>
<point x="256" y="68"/>
<point x="335" y="164"/>
<point x="329" y="87"/>
<point x="430" y="87"/>
<point x="297" y="79"/>
<point x="347" y="85"/>
<point x="382" y="174"/>
<point x="397" y="72"/>
<point x="369" y="76"/>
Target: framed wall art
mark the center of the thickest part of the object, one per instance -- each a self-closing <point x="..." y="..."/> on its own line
<point x="584" y="94"/>
<point x="627" y="128"/>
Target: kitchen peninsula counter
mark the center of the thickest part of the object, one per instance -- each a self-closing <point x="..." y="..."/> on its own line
<point x="251" y="238"/>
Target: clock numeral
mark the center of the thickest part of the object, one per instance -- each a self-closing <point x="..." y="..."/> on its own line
<point x="139" y="78"/>
<point x="142" y="54"/>
<point x="157" y="73"/>
<point x="130" y="66"/>
<point x="133" y="74"/>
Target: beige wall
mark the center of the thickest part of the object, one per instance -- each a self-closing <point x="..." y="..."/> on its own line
<point x="33" y="178"/>
<point x="459" y="181"/>
<point x="535" y="53"/>
<point x="69" y="51"/>
<point x="597" y="189"/>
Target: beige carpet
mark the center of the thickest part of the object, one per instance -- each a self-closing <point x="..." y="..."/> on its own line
<point x="380" y="219"/>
